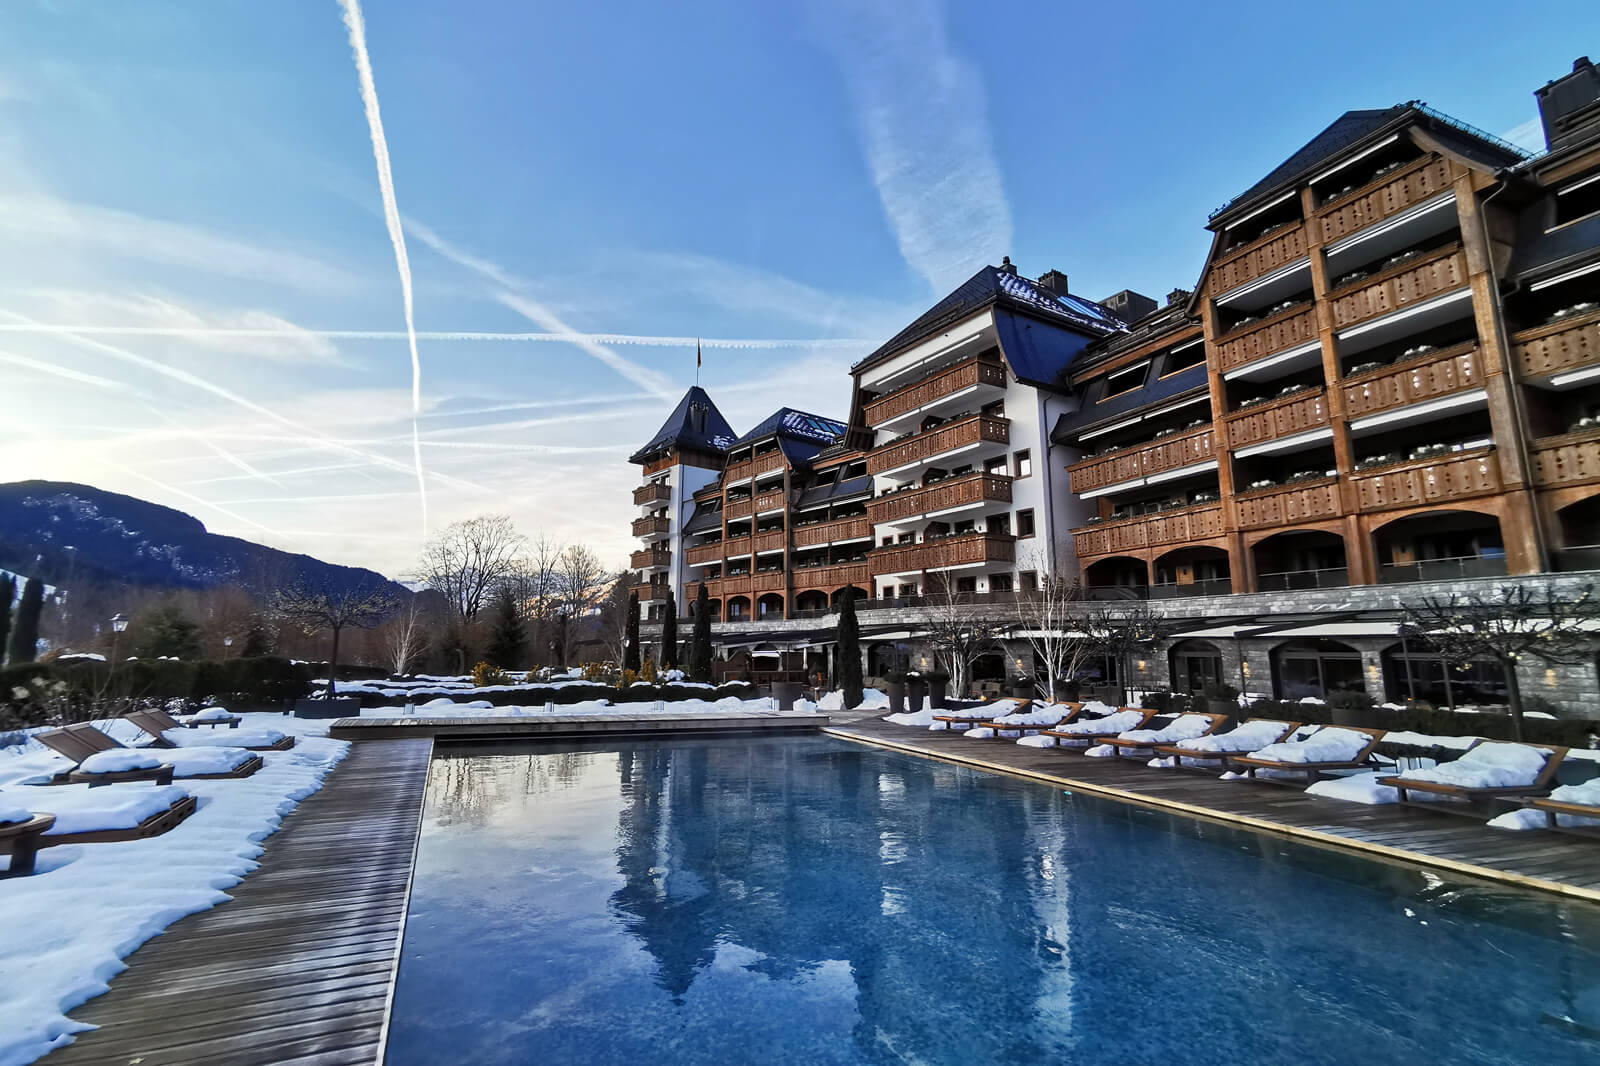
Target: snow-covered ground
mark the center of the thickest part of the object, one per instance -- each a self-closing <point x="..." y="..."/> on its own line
<point x="447" y="708"/>
<point x="67" y="927"/>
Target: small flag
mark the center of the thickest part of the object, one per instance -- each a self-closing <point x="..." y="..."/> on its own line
<point x="697" y="353"/>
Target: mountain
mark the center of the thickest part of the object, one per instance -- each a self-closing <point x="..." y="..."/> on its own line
<point x="70" y="534"/>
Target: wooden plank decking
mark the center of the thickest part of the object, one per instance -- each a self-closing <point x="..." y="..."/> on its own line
<point x="298" y="968"/>
<point x="641" y="722"/>
<point x="1534" y="859"/>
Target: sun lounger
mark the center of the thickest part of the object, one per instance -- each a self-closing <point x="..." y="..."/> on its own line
<point x="1275" y="756"/>
<point x="1517" y="766"/>
<point x="1215" y="746"/>
<point x="1002" y="727"/>
<point x="1183" y="727"/>
<point x="976" y="716"/>
<point x="1085" y="728"/>
<point x="159" y="724"/>
<point x="21" y="839"/>
<point x="1572" y="801"/>
<point x="88" y="815"/>
<point x="82" y="742"/>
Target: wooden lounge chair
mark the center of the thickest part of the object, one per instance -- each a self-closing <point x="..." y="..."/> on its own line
<point x="1074" y="710"/>
<point x="1552" y="807"/>
<point x="153" y="826"/>
<point x="1177" y="754"/>
<point x="84" y="737"/>
<point x="22" y="840"/>
<point x="157" y="722"/>
<point x="1094" y="738"/>
<point x="195" y="722"/>
<point x="1145" y="747"/>
<point x="1312" y="770"/>
<point x="976" y="716"/>
<point x="1478" y="800"/>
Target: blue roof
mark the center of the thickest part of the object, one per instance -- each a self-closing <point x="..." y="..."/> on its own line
<point x="795" y="425"/>
<point x="694" y="423"/>
<point x="1039" y="353"/>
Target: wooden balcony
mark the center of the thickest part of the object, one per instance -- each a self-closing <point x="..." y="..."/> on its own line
<point x="1360" y="208"/>
<point x="1559" y="346"/>
<point x="649" y="558"/>
<point x="652" y="526"/>
<point x="652" y="493"/>
<point x="660" y="463"/>
<point x="827" y="532"/>
<point x="770" y="501"/>
<point x="774" y="541"/>
<point x="1259" y="257"/>
<point x="977" y="429"/>
<point x="1399" y="286"/>
<point x="1415" y="482"/>
<point x="828" y="578"/>
<point x="1570" y="459"/>
<point x="1169" y="453"/>
<point x="1440" y="373"/>
<point x="975" y="487"/>
<point x="1287" y="505"/>
<point x="1278" y="418"/>
<point x="649" y="591"/>
<point x="761" y="464"/>
<point x="961" y="550"/>
<point x="738" y="508"/>
<point x="702" y="554"/>
<point x="691" y="591"/>
<point x="737" y="547"/>
<point x="1283" y="330"/>
<point x="964" y="375"/>
<point x="751" y="584"/>
<point x="1182" y="526"/>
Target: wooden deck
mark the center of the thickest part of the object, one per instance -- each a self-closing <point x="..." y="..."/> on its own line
<point x="543" y="726"/>
<point x="1553" y="862"/>
<point x="298" y="969"/>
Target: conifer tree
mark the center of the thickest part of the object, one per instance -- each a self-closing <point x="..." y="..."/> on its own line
<point x="8" y="593"/>
<point x="630" y="653"/>
<point x="509" y="640"/>
<point x="700" y="647"/>
<point x="669" y="634"/>
<point x="24" y="644"/>
<point x="849" y="651"/>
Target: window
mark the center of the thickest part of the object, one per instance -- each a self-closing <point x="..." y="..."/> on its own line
<point x="966" y="584"/>
<point x="1000" y="523"/>
<point x="908" y="590"/>
<point x="1025" y="523"/>
<point x="1028" y="580"/>
<point x="908" y="538"/>
<point x="1184" y="356"/>
<point x="1126" y="380"/>
<point x="1023" y="463"/>
<point x="887" y="541"/>
<point x="1000" y="583"/>
<point x="997" y="465"/>
<point x="1578" y="200"/>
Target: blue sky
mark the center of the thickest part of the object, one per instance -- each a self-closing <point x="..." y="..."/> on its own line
<point x="799" y="179"/>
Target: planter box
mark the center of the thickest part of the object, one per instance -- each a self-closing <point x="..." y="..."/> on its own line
<point x="338" y="707"/>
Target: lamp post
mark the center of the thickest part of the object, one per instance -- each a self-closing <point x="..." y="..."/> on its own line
<point x="119" y="622"/>
<point x="227" y="642"/>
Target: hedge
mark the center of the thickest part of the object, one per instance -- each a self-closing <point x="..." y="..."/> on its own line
<point x="539" y="695"/>
<point x="35" y="694"/>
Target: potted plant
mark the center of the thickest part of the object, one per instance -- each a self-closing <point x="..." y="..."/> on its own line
<point x="915" y="690"/>
<point x="1022" y="687"/>
<point x="1221" y="698"/>
<point x="938" y="683"/>
<point x="896" y="680"/>
<point x="1350" y="708"/>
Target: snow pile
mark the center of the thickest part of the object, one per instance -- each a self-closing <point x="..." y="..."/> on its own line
<point x="1038" y="740"/>
<point x="922" y="718"/>
<point x="69" y="925"/>
<point x="982" y="732"/>
<point x="81" y="809"/>
<point x="1325" y="745"/>
<point x="12" y="815"/>
<point x="212" y="714"/>
<point x="1248" y="736"/>
<point x="1111" y="724"/>
<point x="1488" y="765"/>
<point x="1184" y="727"/>
<point x="1587" y="793"/>
<point x="1095" y="707"/>
<point x="117" y="762"/>
<point x="233" y="738"/>
<point x="1049" y="714"/>
<point x="1163" y="762"/>
<point x="601" y="706"/>
<point x="1101" y="751"/>
<point x="871" y="700"/>
<point x="1357" y="788"/>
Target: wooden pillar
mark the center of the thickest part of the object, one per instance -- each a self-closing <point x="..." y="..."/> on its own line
<point x="1241" y="574"/>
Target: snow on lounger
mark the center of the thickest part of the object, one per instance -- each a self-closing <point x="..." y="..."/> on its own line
<point x="1325" y="745"/>
<point x="1487" y="766"/>
<point x="1116" y="722"/>
<point x="1248" y="736"/>
<point x="81" y="809"/>
<point x="1183" y="727"/>
<point x="1021" y="721"/>
<point x="185" y="762"/>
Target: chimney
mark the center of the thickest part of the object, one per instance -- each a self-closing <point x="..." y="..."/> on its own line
<point x="1569" y="107"/>
<point x="1054" y="281"/>
<point x="1006" y="267"/>
<point x="1178" y="296"/>
<point x="1128" y="305"/>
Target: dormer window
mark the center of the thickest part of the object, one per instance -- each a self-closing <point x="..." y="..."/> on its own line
<point x="1578" y="200"/>
<point x="1126" y="380"/>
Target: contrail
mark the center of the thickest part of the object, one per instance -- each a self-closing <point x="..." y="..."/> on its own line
<point x="65" y="372"/>
<point x="570" y="337"/>
<point x="391" y="215"/>
<point x="215" y="448"/>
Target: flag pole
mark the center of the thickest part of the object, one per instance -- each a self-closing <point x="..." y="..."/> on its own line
<point x="697" y="362"/>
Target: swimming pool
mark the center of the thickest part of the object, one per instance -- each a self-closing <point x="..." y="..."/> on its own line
<point x="807" y="900"/>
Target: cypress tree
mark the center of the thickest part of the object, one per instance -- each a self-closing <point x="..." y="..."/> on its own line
<point x="256" y="641"/>
<point x="630" y="654"/>
<point x="669" y="634"/>
<point x="8" y="593"/>
<point x="507" y="643"/>
<point x="849" y="651"/>
<point x="700" y="647"/>
<point x="25" y="629"/>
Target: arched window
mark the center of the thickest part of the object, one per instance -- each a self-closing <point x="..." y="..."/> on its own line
<point x="1317" y="668"/>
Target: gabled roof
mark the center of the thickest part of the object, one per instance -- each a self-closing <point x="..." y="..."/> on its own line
<point x="694" y="423"/>
<point x="1002" y="286"/>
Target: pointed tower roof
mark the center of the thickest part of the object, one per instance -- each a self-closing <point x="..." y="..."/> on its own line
<point x="694" y="423"/>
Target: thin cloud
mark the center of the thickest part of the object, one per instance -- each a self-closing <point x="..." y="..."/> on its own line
<point x="921" y="109"/>
<point x="1529" y="135"/>
<point x="246" y="332"/>
<point x="65" y="372"/>
<point x="391" y="216"/>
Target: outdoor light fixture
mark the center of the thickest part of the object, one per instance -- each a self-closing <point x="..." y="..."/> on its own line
<point x="119" y="622"/>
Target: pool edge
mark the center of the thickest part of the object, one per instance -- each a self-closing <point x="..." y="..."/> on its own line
<point x="405" y="917"/>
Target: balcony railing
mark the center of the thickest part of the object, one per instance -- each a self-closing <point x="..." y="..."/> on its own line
<point x="650" y="557"/>
<point x="959" y="550"/>
<point x="1213" y="586"/>
<point x="649" y="591"/>
<point x="652" y="493"/>
<point x="1257" y="258"/>
<point x="1570" y="459"/>
<point x="976" y="487"/>
<point x="770" y="501"/>
<point x="1400" y="286"/>
<point x="651" y="526"/>
<point x="701" y="554"/>
<point x="829" y="578"/>
<point x="750" y="584"/>
<point x="761" y="464"/>
<point x="741" y="507"/>
<point x="1559" y="346"/>
<point x="1278" y="418"/>
<point x="1334" y="577"/>
<point x="1580" y="557"/>
<point x="826" y="532"/>
<point x="1287" y="505"/>
<point x="1360" y="208"/>
<point x="976" y="429"/>
<point x="1444" y="569"/>
<point x="1440" y="373"/>
<point x="1452" y="476"/>
<point x="1274" y="334"/>
<point x="964" y="375"/>
<point x="773" y="541"/>
<point x="1169" y="453"/>
<point x="1178" y="526"/>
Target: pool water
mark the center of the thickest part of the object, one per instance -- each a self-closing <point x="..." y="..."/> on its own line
<point x="807" y="900"/>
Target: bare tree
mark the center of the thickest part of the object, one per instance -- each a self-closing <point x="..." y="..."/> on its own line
<point x="536" y="584"/>
<point x="958" y="633"/>
<point x="468" y="560"/>
<point x="582" y="584"/>
<point x="1505" y="627"/>
<point x="1120" y="632"/>
<point x="404" y="637"/>
<point x="315" y="608"/>
<point x="1050" y="614"/>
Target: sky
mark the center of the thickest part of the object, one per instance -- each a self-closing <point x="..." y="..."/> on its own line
<point x="214" y="215"/>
